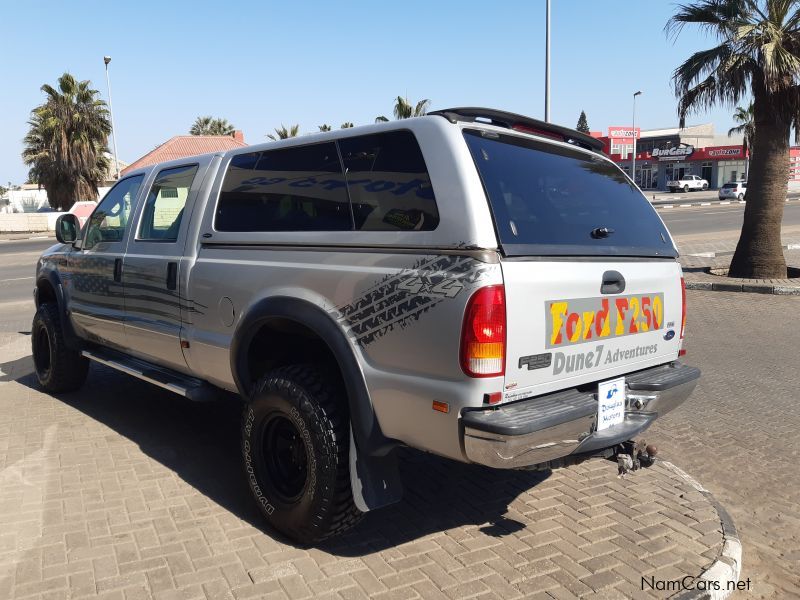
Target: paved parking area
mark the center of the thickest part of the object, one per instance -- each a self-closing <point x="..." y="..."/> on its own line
<point x="126" y="491"/>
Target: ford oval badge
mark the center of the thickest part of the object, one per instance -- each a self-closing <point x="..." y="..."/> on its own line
<point x="669" y="335"/>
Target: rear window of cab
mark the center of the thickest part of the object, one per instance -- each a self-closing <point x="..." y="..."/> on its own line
<point x="550" y="200"/>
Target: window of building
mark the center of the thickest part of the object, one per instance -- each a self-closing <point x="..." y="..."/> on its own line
<point x="110" y="219"/>
<point x="301" y="188"/>
<point x="389" y="185"/>
<point x="163" y="208"/>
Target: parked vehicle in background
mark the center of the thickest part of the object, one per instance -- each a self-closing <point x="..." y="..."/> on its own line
<point x="734" y="190"/>
<point x="473" y="283"/>
<point x="689" y="183"/>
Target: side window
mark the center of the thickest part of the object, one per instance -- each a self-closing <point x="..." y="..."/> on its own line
<point x="292" y="189"/>
<point x="110" y="219"/>
<point x="389" y="183"/>
<point x="163" y="208"/>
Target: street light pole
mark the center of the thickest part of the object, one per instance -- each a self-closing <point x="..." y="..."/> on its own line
<point x="633" y="133"/>
<point x="547" y="67"/>
<point x="106" y="60"/>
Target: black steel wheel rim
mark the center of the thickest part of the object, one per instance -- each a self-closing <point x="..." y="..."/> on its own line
<point x="41" y="356"/>
<point x="285" y="458"/>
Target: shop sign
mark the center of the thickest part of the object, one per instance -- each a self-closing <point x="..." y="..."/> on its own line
<point x="623" y="132"/>
<point x="676" y="153"/>
<point x="725" y="152"/>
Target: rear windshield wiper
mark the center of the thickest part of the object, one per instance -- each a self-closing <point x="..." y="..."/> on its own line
<point x="601" y="232"/>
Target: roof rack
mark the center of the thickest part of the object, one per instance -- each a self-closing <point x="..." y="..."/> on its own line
<point x="509" y="120"/>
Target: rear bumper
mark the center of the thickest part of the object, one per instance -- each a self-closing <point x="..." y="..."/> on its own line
<point x="545" y="428"/>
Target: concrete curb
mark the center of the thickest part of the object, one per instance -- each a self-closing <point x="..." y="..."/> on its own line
<point x="727" y="568"/>
<point x="658" y="205"/>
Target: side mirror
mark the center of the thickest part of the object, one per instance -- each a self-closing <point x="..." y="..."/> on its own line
<point x="67" y="228"/>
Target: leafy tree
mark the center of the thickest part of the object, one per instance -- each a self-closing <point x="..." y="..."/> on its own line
<point x="403" y="109"/>
<point x="283" y="133"/>
<point x="583" y="124"/>
<point x="66" y="144"/>
<point x="210" y="126"/>
<point x="325" y="127"/>
<point x="347" y="125"/>
<point x="758" y="56"/>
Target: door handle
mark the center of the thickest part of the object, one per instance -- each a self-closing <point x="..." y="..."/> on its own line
<point x="613" y="283"/>
<point x="172" y="276"/>
<point x="117" y="270"/>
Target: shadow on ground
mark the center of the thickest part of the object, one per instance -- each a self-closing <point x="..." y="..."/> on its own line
<point x="200" y="443"/>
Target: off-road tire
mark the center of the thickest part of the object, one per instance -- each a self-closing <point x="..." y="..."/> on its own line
<point x="299" y="399"/>
<point x="58" y="368"/>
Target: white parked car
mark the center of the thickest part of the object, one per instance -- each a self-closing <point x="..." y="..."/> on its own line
<point x="688" y="183"/>
<point x="733" y="190"/>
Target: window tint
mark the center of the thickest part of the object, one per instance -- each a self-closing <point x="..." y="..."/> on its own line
<point x="389" y="183"/>
<point x="163" y="208"/>
<point x="110" y="219"/>
<point x="292" y="189"/>
<point x="551" y="200"/>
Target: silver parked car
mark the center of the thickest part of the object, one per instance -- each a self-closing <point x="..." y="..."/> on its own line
<point x="472" y="283"/>
<point x="735" y="190"/>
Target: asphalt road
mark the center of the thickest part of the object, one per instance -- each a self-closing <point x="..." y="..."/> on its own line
<point x="17" y="270"/>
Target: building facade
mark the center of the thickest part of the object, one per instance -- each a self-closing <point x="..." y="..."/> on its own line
<point x="663" y="155"/>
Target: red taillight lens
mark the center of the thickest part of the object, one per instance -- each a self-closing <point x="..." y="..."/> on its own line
<point x="483" y="335"/>
<point x="683" y="306"/>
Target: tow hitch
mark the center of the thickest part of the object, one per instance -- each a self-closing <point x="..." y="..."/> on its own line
<point x="633" y="455"/>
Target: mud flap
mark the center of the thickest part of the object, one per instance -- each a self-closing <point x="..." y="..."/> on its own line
<point x="375" y="480"/>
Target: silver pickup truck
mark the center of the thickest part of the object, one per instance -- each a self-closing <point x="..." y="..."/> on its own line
<point x="472" y="283"/>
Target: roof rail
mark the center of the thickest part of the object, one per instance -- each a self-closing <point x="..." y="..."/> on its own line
<point x="509" y="120"/>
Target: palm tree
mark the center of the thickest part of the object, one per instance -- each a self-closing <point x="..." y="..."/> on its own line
<point x="210" y="126"/>
<point x="758" y="55"/>
<point x="746" y="128"/>
<point x="403" y="109"/>
<point x="282" y="133"/>
<point x="325" y="127"/>
<point x="347" y="125"/>
<point x="66" y="144"/>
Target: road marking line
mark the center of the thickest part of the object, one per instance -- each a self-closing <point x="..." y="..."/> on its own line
<point x="685" y="205"/>
<point x="16" y="279"/>
<point x="726" y="202"/>
<point x="705" y="204"/>
<point x="40" y="237"/>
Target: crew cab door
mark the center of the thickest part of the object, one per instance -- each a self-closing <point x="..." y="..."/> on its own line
<point x="94" y="282"/>
<point x="154" y="298"/>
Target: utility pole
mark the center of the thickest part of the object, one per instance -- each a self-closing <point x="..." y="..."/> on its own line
<point x="633" y="133"/>
<point x="106" y="60"/>
<point x="547" y="67"/>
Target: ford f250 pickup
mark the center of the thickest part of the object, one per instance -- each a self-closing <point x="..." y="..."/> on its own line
<point x="472" y="283"/>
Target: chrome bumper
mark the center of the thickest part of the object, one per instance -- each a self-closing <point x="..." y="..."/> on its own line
<point x="545" y="428"/>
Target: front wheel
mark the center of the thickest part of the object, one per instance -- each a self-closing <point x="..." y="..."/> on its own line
<point x="295" y="447"/>
<point x="740" y="197"/>
<point x="686" y="189"/>
<point x="705" y="187"/>
<point x="58" y="368"/>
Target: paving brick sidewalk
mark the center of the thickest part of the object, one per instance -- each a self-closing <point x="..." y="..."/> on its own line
<point x="125" y="491"/>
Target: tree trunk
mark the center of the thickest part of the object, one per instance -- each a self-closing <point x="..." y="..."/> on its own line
<point x="759" y="254"/>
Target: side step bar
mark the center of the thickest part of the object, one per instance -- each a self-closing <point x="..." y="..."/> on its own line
<point x="188" y="387"/>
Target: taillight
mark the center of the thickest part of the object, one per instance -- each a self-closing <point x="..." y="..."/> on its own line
<point x="683" y="306"/>
<point x="483" y="334"/>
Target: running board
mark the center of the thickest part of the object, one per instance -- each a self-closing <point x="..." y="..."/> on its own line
<point x="188" y="387"/>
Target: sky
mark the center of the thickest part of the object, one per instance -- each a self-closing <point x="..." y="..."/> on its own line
<point x="263" y="64"/>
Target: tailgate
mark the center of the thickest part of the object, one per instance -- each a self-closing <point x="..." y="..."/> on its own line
<point x="567" y="328"/>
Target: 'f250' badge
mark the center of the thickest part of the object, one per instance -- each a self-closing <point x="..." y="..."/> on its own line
<point x="582" y="320"/>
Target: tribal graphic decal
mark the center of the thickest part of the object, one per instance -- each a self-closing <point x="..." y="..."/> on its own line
<point x="401" y="299"/>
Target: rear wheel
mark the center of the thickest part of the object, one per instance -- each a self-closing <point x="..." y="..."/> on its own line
<point x="740" y="197"/>
<point x="58" y="368"/>
<point x="295" y="446"/>
<point x="705" y="187"/>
